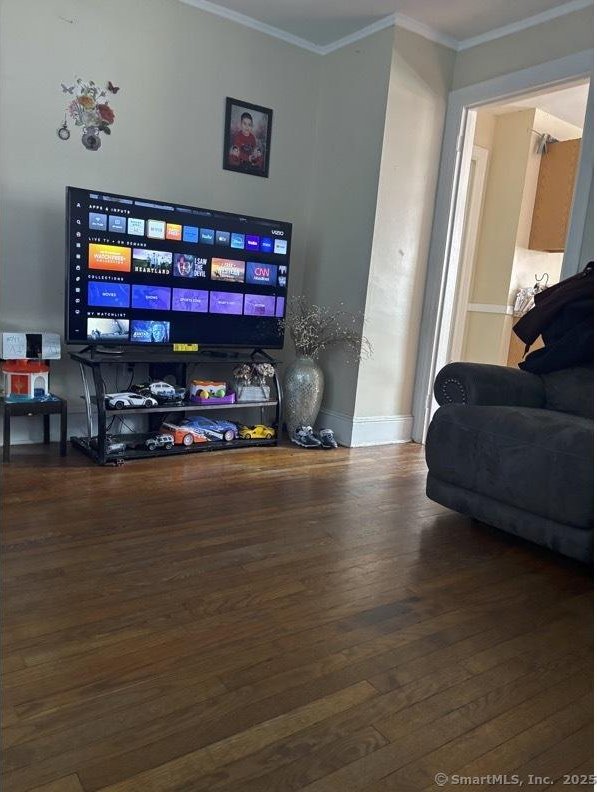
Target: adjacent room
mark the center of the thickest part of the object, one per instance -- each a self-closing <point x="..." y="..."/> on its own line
<point x="296" y="383"/>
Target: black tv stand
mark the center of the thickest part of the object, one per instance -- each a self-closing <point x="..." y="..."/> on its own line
<point x="102" y="350"/>
<point x="264" y="354"/>
<point x="97" y="444"/>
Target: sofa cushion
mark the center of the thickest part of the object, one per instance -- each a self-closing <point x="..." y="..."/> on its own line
<point x="534" y="459"/>
<point x="570" y="391"/>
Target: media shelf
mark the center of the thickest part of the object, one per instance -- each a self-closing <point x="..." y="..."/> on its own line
<point x="95" y="445"/>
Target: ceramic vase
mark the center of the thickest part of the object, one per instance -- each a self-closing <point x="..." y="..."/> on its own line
<point x="303" y="391"/>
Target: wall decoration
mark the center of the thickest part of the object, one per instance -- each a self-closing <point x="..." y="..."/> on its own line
<point x="247" y="137"/>
<point x="88" y="106"/>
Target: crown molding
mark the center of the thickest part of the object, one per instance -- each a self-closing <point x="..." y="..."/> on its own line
<point x="393" y="20"/>
<point x="524" y="24"/>
<point x="242" y="19"/>
<point x="425" y="31"/>
<point x="375" y="27"/>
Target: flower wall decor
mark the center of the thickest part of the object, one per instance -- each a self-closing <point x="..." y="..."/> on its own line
<point x="88" y="108"/>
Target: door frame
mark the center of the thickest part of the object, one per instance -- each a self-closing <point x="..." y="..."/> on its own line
<point x="476" y="194"/>
<point x="446" y="235"/>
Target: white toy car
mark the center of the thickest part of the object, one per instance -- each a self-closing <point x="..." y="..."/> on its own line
<point x="163" y="391"/>
<point x="118" y="401"/>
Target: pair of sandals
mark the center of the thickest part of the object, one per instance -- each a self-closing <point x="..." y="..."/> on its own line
<point x="306" y="438"/>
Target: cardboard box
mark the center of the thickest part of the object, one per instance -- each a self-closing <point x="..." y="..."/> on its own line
<point x="29" y="346"/>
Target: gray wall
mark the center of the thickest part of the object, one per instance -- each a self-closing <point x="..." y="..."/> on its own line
<point x="539" y="44"/>
<point x="351" y="116"/>
<point x="175" y="66"/>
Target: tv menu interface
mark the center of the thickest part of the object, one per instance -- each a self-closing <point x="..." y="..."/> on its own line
<point x="145" y="272"/>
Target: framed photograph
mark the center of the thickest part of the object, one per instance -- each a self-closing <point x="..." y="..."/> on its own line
<point x="247" y="137"/>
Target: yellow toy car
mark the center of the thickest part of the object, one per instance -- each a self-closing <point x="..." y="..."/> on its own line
<point x="257" y="432"/>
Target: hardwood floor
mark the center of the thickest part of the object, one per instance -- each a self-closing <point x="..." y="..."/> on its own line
<point x="279" y="619"/>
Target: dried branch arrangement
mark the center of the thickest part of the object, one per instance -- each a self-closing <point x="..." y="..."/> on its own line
<point x="314" y="328"/>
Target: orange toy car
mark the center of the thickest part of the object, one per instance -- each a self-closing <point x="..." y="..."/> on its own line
<point x="183" y="434"/>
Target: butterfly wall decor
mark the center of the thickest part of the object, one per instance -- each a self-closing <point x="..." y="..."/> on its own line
<point x="89" y="108"/>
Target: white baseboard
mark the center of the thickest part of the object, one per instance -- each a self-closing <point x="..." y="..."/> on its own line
<point x="339" y="423"/>
<point x="353" y="431"/>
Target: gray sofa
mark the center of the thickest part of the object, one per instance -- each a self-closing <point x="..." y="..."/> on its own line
<point x="515" y="450"/>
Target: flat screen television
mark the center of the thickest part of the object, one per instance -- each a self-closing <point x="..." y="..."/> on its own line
<point x="141" y="271"/>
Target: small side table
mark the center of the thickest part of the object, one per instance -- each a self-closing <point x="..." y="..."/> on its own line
<point x="28" y="408"/>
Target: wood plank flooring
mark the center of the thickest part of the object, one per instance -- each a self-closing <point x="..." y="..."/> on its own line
<point x="279" y="619"/>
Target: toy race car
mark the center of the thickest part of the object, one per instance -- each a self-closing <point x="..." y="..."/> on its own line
<point x="183" y="433"/>
<point x="162" y="391"/>
<point x="118" y="401"/>
<point x="214" y="430"/>
<point x="257" y="432"/>
<point x="160" y="441"/>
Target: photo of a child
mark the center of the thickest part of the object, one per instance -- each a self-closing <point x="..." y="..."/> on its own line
<point x="247" y="137"/>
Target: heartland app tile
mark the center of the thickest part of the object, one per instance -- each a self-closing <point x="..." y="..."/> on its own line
<point x="267" y="244"/>
<point x="190" y="234"/>
<point x="97" y="222"/>
<point x="222" y="238"/>
<point x="152" y="262"/>
<point x="148" y="332"/>
<point x="225" y="303"/>
<point x="263" y="274"/>
<point x="252" y="242"/>
<point x="156" y="229"/>
<point x="280" y="246"/>
<point x="136" y="226"/>
<point x="173" y="231"/>
<point x="152" y="298"/>
<point x="110" y="295"/>
<point x="117" y="225"/>
<point x="190" y="300"/>
<point x="237" y="241"/>
<point x="258" y="305"/>
<point x="207" y="236"/>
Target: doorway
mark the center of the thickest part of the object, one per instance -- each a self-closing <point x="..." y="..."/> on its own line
<point x="517" y="208"/>
<point x="442" y="289"/>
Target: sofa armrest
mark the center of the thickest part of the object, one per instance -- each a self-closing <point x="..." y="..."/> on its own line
<point x="483" y="384"/>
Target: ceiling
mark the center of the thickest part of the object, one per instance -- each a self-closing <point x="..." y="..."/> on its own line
<point x="567" y="104"/>
<point x="322" y="25"/>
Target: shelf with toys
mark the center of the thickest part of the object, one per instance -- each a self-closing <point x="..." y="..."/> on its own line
<point x="174" y="424"/>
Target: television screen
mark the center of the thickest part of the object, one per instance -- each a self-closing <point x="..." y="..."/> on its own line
<point x="141" y="271"/>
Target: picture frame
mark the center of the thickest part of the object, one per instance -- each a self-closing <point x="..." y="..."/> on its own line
<point x="247" y="137"/>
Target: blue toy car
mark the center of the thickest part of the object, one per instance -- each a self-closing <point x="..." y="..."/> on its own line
<point x="213" y="430"/>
